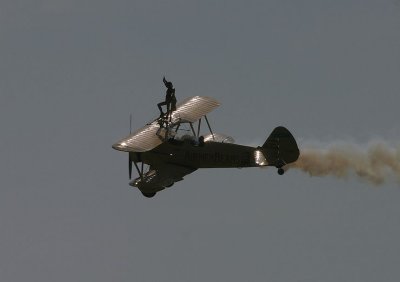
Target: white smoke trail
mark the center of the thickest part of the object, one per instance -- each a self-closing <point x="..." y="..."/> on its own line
<point x="376" y="163"/>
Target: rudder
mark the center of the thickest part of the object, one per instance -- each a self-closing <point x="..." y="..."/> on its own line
<point x="280" y="148"/>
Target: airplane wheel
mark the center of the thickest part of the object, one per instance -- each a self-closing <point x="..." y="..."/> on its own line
<point x="149" y="195"/>
<point x="281" y="171"/>
<point x="169" y="185"/>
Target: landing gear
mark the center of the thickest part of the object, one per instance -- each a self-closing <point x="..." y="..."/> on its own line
<point x="149" y="195"/>
<point x="281" y="171"/>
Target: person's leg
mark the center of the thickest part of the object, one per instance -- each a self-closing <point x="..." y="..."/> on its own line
<point x="159" y="107"/>
<point x="169" y="111"/>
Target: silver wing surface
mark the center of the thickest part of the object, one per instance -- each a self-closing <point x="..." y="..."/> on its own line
<point x="192" y="109"/>
<point x="151" y="135"/>
<point x="142" y="140"/>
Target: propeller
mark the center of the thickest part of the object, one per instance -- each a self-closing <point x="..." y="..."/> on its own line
<point x="130" y="124"/>
<point x="130" y="165"/>
<point x="130" y="154"/>
<point x="133" y="157"/>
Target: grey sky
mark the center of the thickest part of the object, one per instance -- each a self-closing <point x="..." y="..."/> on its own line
<point x="72" y="71"/>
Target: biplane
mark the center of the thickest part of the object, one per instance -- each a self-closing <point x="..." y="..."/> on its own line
<point x="171" y="147"/>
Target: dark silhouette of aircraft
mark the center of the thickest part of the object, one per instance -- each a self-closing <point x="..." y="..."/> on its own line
<point x="170" y="150"/>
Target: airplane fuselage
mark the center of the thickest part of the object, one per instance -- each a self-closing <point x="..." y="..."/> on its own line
<point x="206" y="155"/>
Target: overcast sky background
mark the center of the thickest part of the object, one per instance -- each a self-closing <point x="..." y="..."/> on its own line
<point x="71" y="72"/>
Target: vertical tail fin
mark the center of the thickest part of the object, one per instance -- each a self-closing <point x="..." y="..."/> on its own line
<point x="280" y="148"/>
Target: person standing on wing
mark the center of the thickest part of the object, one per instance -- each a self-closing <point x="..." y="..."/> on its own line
<point x="170" y="99"/>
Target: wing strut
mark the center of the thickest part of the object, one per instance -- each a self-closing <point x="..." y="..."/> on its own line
<point x="198" y="128"/>
<point x="177" y="128"/>
<point x="138" y="170"/>
<point x="209" y="127"/>
<point x="194" y="132"/>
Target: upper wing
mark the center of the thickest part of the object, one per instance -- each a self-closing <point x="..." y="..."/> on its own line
<point x="192" y="109"/>
<point x="142" y="140"/>
<point x="150" y="136"/>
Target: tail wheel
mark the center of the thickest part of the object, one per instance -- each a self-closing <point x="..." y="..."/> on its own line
<point x="281" y="171"/>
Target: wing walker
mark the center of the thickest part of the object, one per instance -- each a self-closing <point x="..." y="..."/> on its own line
<point x="174" y="145"/>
